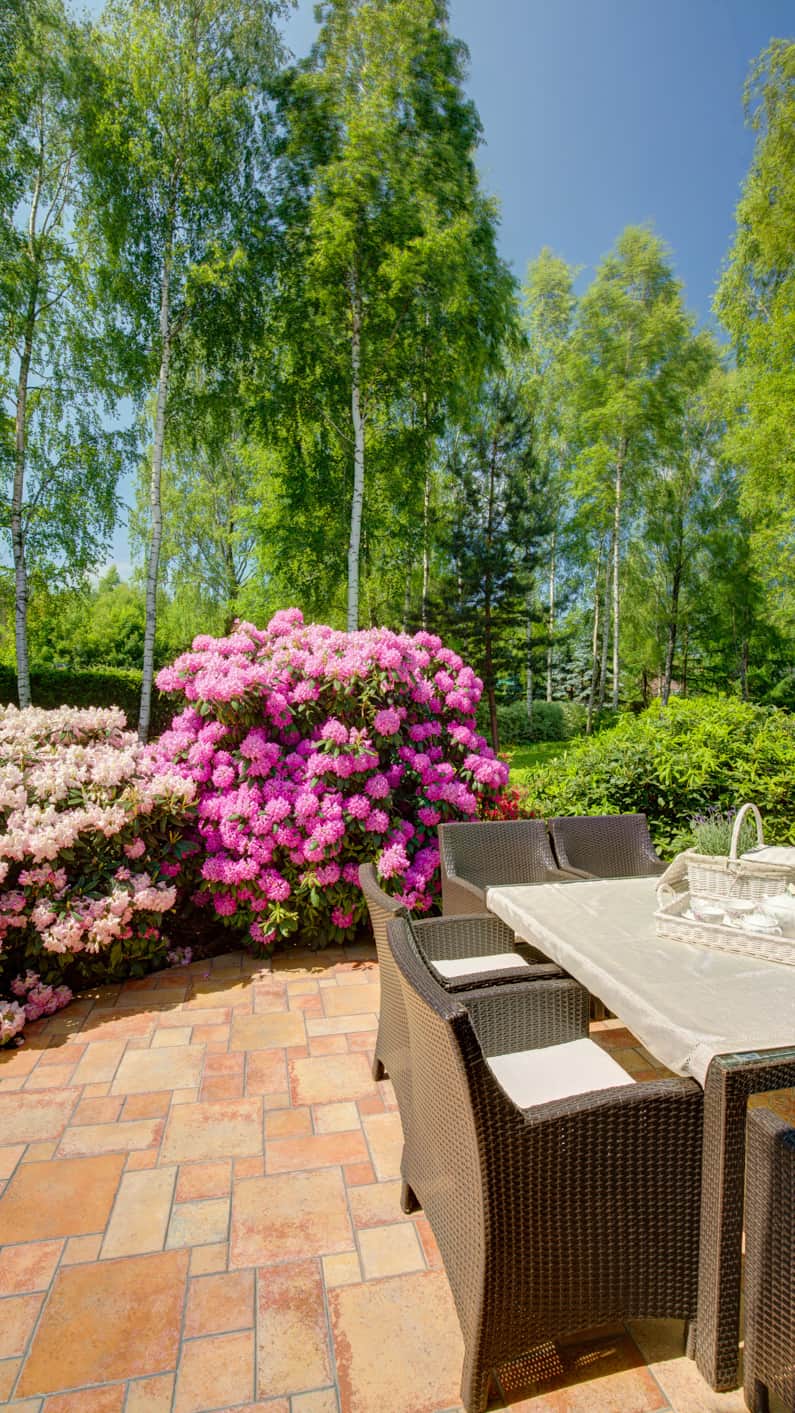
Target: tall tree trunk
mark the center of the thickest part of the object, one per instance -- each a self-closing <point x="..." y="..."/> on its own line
<point x="594" y="644"/>
<point x="155" y="510"/>
<point x="528" y="698"/>
<point x="616" y="572"/>
<point x="605" y="632"/>
<point x="426" y="547"/>
<point x="358" y="461"/>
<point x="488" y="644"/>
<point x="17" y="504"/>
<point x="745" y="654"/>
<point x="673" y="623"/>
<point x="685" y="645"/>
<point x="551" y="617"/>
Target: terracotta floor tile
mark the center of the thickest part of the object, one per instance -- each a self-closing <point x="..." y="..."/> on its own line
<point x="28" y="1267"/>
<point x="413" y="1312"/>
<point x="11" y="1085"/>
<point x="39" y="1152"/>
<point x="112" y="1024"/>
<point x="9" y="1368"/>
<point x="342" y="1269"/>
<point x="97" y="1111"/>
<point x="276" y="1101"/>
<point x="433" y="1255"/>
<point x="9" y="1157"/>
<point x="215" y="1371"/>
<point x="197" y="1180"/>
<point x="110" y="1138"/>
<point x="661" y="1344"/>
<point x="328" y="1045"/>
<point x="60" y="1198"/>
<point x="336" y="1118"/>
<point x="209" y="995"/>
<point x="352" y="1000"/>
<point x="288" y="1123"/>
<point x="266" y="1072"/>
<point x="329" y="1079"/>
<point x="371" y="1104"/>
<point x="385" y="1139"/>
<point x="96" y="1091"/>
<point x="229" y="1063"/>
<point x="199" y="1223"/>
<point x="220" y="1303"/>
<point x="168" y="1038"/>
<point x="357" y="1174"/>
<point x="362" y="1042"/>
<point x="302" y="987"/>
<point x="268" y="1002"/>
<point x="141" y="1213"/>
<point x="143" y="1071"/>
<point x="320" y="1150"/>
<point x="29" y="1118"/>
<point x="184" y="1096"/>
<point x="134" y="1336"/>
<point x="323" y="1400"/>
<point x="340" y="1025"/>
<point x="232" y="1128"/>
<point x="206" y="1260"/>
<point x="49" y="1077"/>
<point x="292" y="1339"/>
<point x="143" y="1158"/>
<point x="267" y="1032"/>
<point x="375" y="1203"/>
<point x="150" y="1395"/>
<point x="82" y="1248"/>
<point x="99" y="1063"/>
<point x="147" y="1106"/>
<point x="87" y="1400"/>
<point x="211" y="1035"/>
<point x="249" y="1167"/>
<point x="18" y="1063"/>
<point x="18" y="1315"/>
<point x="607" y="1374"/>
<point x="390" y="1250"/>
<point x="196" y="1016"/>
<point x="288" y="1217"/>
<point x="222" y="1086"/>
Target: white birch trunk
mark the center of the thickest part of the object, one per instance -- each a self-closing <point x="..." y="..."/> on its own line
<point x="358" y="464"/>
<point x="551" y="617"/>
<point x="155" y="510"/>
<point x="528" y="698"/>
<point x="17" y="505"/>
<point x="616" y="578"/>
<point x="426" y="547"/>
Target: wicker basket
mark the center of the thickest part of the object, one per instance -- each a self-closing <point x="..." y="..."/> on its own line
<point x="719" y="876"/>
<point x="670" y="922"/>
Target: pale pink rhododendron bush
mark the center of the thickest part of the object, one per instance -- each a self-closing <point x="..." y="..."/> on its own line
<point x="91" y="853"/>
<point x="312" y="750"/>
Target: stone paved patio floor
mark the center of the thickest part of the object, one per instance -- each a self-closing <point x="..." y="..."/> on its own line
<point x="199" y="1211"/>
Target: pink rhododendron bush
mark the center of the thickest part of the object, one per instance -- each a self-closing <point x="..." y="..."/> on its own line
<point x="313" y="750"/>
<point x="91" y="852"/>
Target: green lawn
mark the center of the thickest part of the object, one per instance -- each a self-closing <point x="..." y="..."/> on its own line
<point x="524" y="759"/>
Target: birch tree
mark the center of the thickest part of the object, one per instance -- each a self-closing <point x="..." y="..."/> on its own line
<point x="177" y="108"/>
<point x="391" y="249"/>
<point x="59" y="462"/>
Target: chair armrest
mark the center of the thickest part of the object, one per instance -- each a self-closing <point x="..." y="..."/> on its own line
<point x="571" y="872"/>
<point x="470" y="935"/>
<point x="528" y="1016"/>
<point x="461" y="896"/>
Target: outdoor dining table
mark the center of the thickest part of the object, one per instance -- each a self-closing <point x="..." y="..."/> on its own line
<point x="723" y="1019"/>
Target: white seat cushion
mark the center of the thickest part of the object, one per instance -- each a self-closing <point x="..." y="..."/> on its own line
<point x="556" y="1071"/>
<point x="467" y="966"/>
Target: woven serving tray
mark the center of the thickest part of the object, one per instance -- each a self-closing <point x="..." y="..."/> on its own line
<point x="671" y="923"/>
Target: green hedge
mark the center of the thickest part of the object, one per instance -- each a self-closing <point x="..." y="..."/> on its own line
<point x="551" y="721"/>
<point x="89" y="686"/>
<point x="672" y="763"/>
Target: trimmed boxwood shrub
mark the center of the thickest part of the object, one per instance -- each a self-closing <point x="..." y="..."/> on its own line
<point x="52" y="688"/>
<point x="677" y="761"/>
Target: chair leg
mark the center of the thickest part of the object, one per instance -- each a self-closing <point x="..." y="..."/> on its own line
<point x="408" y="1200"/>
<point x="378" y="1070"/>
<point x="756" y="1396"/>
<point x="690" y="1339"/>
<point x="475" y="1382"/>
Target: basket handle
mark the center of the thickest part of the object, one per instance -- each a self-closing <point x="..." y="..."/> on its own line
<point x="738" y="824"/>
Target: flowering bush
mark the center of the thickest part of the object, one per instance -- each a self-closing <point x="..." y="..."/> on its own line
<point x="90" y="855"/>
<point x="313" y="750"/>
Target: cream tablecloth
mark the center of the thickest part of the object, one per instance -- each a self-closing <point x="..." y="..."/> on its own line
<point x="685" y="1003"/>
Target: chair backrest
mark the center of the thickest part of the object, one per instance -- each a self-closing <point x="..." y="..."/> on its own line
<point x="393" y="1033"/>
<point x="606" y="845"/>
<point x="493" y="852"/>
<point x="770" y="1251"/>
<point x="443" y="1152"/>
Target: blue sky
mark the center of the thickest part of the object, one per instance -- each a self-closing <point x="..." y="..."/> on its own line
<point x="602" y="113"/>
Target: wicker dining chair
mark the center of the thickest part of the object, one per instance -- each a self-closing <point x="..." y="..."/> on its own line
<point x="555" y="1210"/>
<point x="487" y="853"/>
<point x="769" y="1261"/>
<point x="455" y="945"/>
<point x="605" y="846"/>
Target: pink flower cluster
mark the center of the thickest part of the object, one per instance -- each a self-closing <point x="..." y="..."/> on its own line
<point x="80" y="802"/>
<point x="313" y="750"/>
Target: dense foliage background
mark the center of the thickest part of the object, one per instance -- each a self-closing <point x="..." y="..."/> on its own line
<point x="341" y="400"/>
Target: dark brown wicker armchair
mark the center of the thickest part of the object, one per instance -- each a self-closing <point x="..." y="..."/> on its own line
<point x="555" y="1210"/>
<point x="471" y="951"/>
<point x="605" y="846"/>
<point x="487" y="853"/>
<point x="769" y="1261"/>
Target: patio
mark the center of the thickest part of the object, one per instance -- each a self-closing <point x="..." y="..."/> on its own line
<point x="199" y="1211"/>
